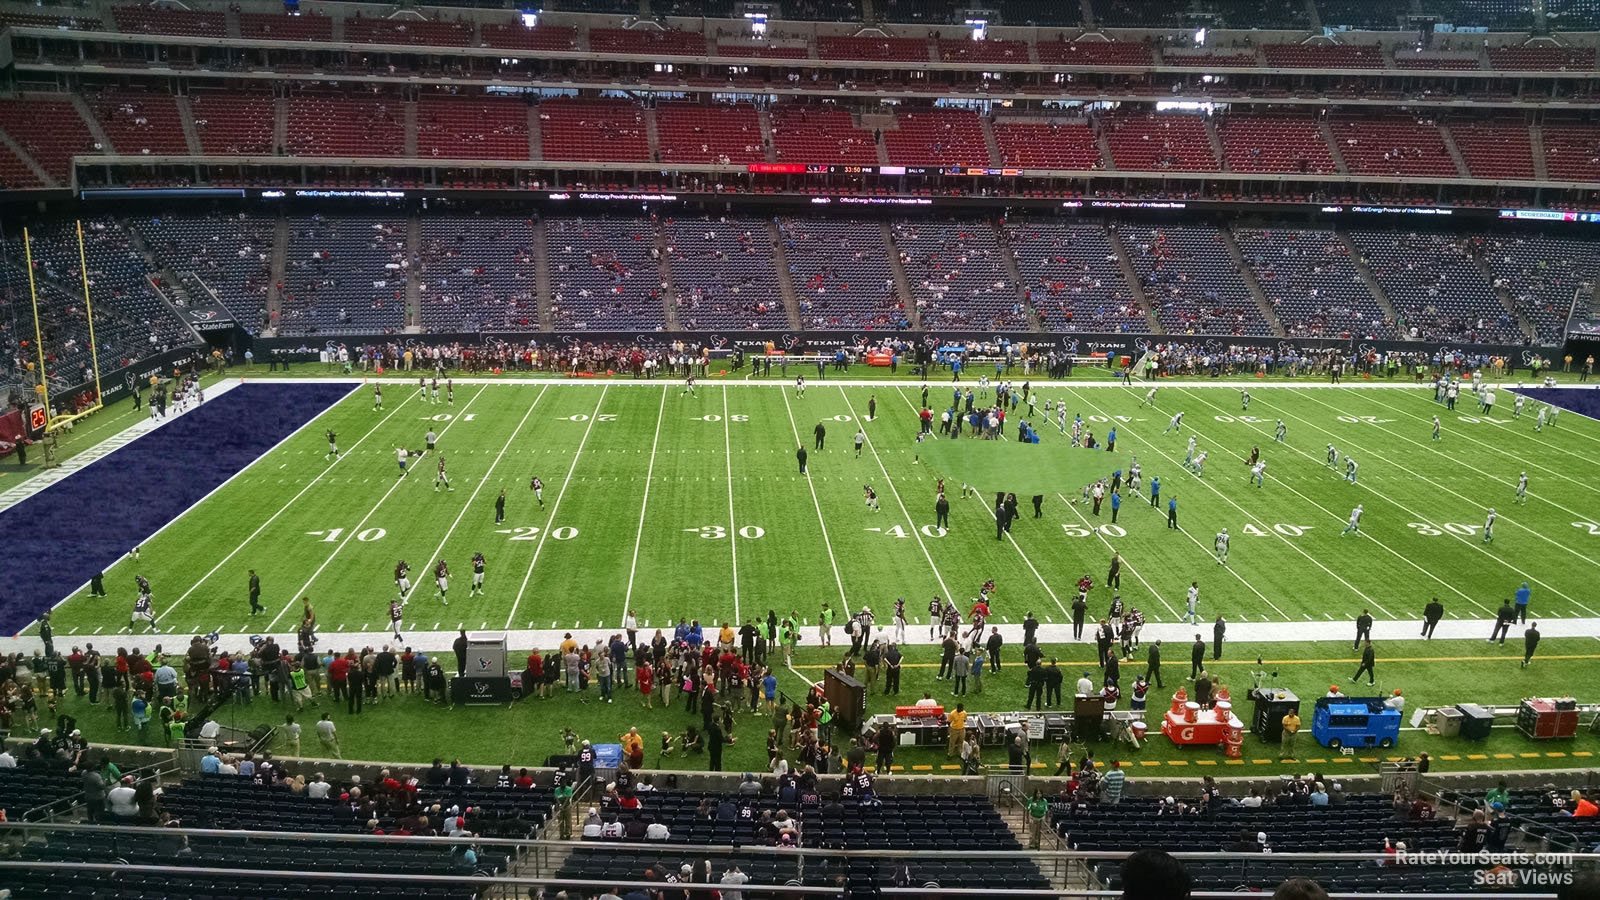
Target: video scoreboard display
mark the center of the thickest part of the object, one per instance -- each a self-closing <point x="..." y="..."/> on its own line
<point x="833" y="169"/>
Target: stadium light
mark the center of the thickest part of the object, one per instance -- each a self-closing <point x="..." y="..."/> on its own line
<point x="758" y="23"/>
<point x="1200" y="37"/>
<point x="530" y="16"/>
<point x="980" y="28"/>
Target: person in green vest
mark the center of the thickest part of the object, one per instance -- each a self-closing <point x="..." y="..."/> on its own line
<point x="1038" y="808"/>
<point x="297" y="681"/>
<point x="825" y="624"/>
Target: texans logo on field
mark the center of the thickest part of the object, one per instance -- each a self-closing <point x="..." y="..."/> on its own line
<point x="857" y="339"/>
<point x="1527" y="357"/>
<point x="643" y="340"/>
<point x="1142" y="344"/>
<point x="717" y="340"/>
<point x="790" y="342"/>
<point x="483" y="664"/>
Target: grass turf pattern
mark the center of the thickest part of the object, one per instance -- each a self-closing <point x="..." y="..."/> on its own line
<point x="717" y="523"/>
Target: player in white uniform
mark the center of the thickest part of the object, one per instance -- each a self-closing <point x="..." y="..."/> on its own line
<point x="1200" y="464"/>
<point x="1436" y="427"/>
<point x="477" y="574"/>
<point x="1350" y="467"/>
<point x="1333" y="456"/>
<point x="1539" y="420"/>
<point x="1244" y="401"/>
<point x="1488" y="525"/>
<point x="1061" y="418"/>
<point x="1188" y="454"/>
<point x="1133" y="476"/>
<point x="1522" y="488"/>
<point x="1193" y="603"/>
<point x="1516" y="406"/>
<point x="1221" y="547"/>
<point x="1176" y="424"/>
<point x="1258" y="473"/>
<point x="1279" y="432"/>
<point x="1149" y="399"/>
<point x="1355" y="521"/>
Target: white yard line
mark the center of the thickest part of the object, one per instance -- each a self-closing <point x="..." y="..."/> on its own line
<point x="649" y="473"/>
<point x="254" y="534"/>
<point x="556" y="507"/>
<point x="821" y="522"/>
<point x="1131" y="570"/>
<point x="910" y="522"/>
<point x="1481" y="508"/>
<point x="305" y="588"/>
<point x="1043" y="582"/>
<point x="775" y="382"/>
<point x="1523" y="461"/>
<point x="1392" y="502"/>
<point x="733" y="525"/>
<point x="1229" y="500"/>
<point x="429" y="560"/>
<point x="94" y="453"/>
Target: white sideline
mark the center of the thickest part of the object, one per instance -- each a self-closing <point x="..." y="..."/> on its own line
<point x="1175" y="635"/>
<point x="91" y="455"/>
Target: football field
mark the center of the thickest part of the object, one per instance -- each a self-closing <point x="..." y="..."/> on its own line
<point x="694" y="506"/>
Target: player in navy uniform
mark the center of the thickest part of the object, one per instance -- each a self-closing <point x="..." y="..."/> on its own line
<point x="422" y="387"/>
<point x="477" y="574"/>
<point x="402" y="581"/>
<point x="333" y="444"/>
<point x="396" y="611"/>
<point x="377" y="396"/>
<point x="442" y="478"/>
<point x="450" y="391"/>
<point x="436" y="389"/>
<point x="441" y="577"/>
<point x="537" y="487"/>
<point x="900" y="620"/>
<point x="144" y="607"/>
<point x="935" y="613"/>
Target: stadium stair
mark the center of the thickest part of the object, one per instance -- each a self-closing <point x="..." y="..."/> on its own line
<point x="652" y="132"/>
<point x="1503" y="294"/>
<point x="1373" y="287"/>
<point x="1010" y="257"/>
<point x="1333" y="146"/>
<point x="541" y="275"/>
<point x="280" y="125"/>
<point x="902" y="284"/>
<point x="164" y="282"/>
<point x="411" y="130"/>
<point x="93" y="124"/>
<point x="996" y="158"/>
<point x="535" y="137"/>
<point x="1216" y="142"/>
<point x="1541" y="170"/>
<point x="669" y="295"/>
<point x="768" y="146"/>
<point x="191" y="137"/>
<point x="280" y="263"/>
<point x="1455" y="152"/>
<point x="1107" y="161"/>
<point x="26" y="159"/>
<point x="791" y="303"/>
<point x="1131" y="275"/>
<point x="1250" y="281"/>
<point x="413" y="245"/>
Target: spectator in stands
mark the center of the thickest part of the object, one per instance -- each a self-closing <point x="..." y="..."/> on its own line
<point x="318" y="789"/>
<point x="1154" y="875"/>
<point x="1299" y="889"/>
<point x="1113" y="784"/>
<point x="122" y="801"/>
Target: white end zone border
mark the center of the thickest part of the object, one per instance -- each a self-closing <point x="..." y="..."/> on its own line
<point x="110" y="445"/>
<point x="91" y="455"/>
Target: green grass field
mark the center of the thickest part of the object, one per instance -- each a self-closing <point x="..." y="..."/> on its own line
<point x="693" y="506"/>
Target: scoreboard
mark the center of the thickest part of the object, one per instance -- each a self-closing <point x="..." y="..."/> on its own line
<point x="834" y="169"/>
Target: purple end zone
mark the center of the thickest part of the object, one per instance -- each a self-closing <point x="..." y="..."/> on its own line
<point x="1581" y="401"/>
<point x="59" y="537"/>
